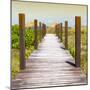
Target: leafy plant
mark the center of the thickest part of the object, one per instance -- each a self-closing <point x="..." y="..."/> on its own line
<point x="15" y="36"/>
<point x="29" y="38"/>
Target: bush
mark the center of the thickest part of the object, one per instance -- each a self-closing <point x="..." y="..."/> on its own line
<point x="29" y="37"/>
<point x="15" y="29"/>
<point x="15" y="36"/>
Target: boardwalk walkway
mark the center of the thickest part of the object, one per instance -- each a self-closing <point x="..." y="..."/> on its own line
<point x="50" y="65"/>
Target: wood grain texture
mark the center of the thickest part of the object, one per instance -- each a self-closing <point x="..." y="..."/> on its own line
<point x="35" y="34"/>
<point x="22" y="41"/>
<point x="66" y="34"/>
<point x="40" y="31"/>
<point x="61" y="31"/>
<point x="77" y="40"/>
<point x="50" y="65"/>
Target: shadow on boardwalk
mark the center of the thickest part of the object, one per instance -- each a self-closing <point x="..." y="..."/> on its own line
<point x="50" y="65"/>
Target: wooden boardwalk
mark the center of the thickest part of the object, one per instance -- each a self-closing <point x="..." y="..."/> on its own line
<point x="50" y="65"/>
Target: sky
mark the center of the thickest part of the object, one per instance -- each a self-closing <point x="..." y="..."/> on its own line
<point x="48" y="13"/>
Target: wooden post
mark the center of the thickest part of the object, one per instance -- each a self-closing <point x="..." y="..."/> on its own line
<point x="77" y="40"/>
<point x="43" y="30"/>
<point x="35" y="35"/>
<point x="22" y="41"/>
<point x="66" y="34"/>
<point x="40" y="31"/>
<point x="56" y="29"/>
<point x="61" y="31"/>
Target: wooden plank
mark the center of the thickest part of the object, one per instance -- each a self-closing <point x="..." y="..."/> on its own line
<point x="35" y="34"/>
<point x="43" y="72"/>
<point x="66" y="34"/>
<point x="22" y="41"/>
<point x="77" y="40"/>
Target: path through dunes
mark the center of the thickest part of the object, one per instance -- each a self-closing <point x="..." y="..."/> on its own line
<point x="49" y="65"/>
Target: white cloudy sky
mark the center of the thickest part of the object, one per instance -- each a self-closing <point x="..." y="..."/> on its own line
<point x="48" y="13"/>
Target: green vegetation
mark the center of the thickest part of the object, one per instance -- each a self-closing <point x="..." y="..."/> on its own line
<point x="15" y="36"/>
<point x="29" y="46"/>
<point x="29" y="37"/>
<point x="15" y="62"/>
<point x="15" y="59"/>
<point x="71" y="46"/>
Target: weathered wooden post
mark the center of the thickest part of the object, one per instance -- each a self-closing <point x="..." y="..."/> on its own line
<point x="77" y="40"/>
<point x="61" y="31"/>
<point x="35" y="34"/>
<point x="40" y="31"/>
<point x="66" y="34"/>
<point x="58" y="32"/>
<point x="22" y="40"/>
<point x="56" y="29"/>
<point x="43" y="30"/>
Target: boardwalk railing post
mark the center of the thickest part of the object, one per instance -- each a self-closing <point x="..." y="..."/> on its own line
<point x="77" y="40"/>
<point x="43" y="30"/>
<point x="40" y="31"/>
<point x="56" y="30"/>
<point x="35" y="35"/>
<point x="61" y="31"/>
<point x="66" y="34"/>
<point x="22" y="40"/>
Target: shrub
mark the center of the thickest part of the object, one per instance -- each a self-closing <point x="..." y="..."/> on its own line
<point x="29" y="37"/>
<point x="15" y="36"/>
